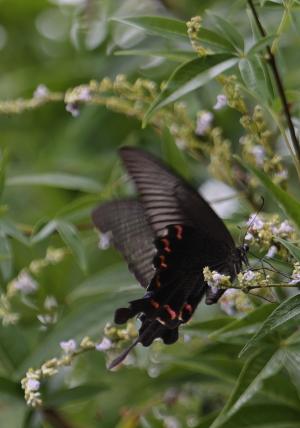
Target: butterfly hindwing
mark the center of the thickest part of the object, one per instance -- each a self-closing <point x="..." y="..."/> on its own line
<point x="131" y="234"/>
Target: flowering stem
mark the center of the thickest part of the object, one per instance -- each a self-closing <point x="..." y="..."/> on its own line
<point x="279" y="84"/>
<point x="255" y="287"/>
<point x="55" y="419"/>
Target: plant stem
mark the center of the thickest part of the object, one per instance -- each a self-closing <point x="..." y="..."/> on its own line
<point x="55" y="419"/>
<point x="279" y="84"/>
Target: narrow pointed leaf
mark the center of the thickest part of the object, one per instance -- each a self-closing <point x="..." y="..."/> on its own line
<point x="288" y="310"/>
<point x="157" y="25"/>
<point x="258" y="368"/>
<point x="287" y="202"/>
<point x="59" y="180"/>
<point x="190" y="76"/>
<point x="71" y="238"/>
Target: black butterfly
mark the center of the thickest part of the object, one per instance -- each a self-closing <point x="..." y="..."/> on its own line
<point x="167" y="236"/>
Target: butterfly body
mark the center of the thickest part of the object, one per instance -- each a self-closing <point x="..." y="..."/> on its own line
<point x="167" y="236"/>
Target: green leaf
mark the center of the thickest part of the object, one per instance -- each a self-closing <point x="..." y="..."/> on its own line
<point x="210" y="325"/>
<point x="10" y="229"/>
<point x="253" y="76"/>
<point x="3" y="163"/>
<point x="44" y="232"/>
<point x="5" y="256"/>
<point x="188" y="77"/>
<point x="249" y="320"/>
<point x="215" y="39"/>
<point x="261" y="44"/>
<point x="157" y="25"/>
<point x="293" y="249"/>
<point x="59" y="180"/>
<point x="173" y="55"/>
<point x="229" y="31"/>
<point x="288" y="310"/>
<point x="288" y="203"/>
<point x="258" y="368"/>
<point x="174" y="155"/>
<point x="71" y="238"/>
<point x="78" y="393"/>
<point x="264" y="415"/>
<point x="10" y="388"/>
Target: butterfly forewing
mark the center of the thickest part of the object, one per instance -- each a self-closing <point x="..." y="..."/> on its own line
<point x="168" y="199"/>
<point x="131" y="235"/>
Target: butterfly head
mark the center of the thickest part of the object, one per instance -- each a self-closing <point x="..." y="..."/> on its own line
<point x="243" y="250"/>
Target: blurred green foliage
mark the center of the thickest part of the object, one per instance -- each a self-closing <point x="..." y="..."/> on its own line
<point x="55" y="168"/>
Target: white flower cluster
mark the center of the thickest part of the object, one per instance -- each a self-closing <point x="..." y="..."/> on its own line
<point x="265" y="232"/>
<point x="252" y="279"/>
<point x="32" y="381"/>
<point x="204" y="122"/>
<point x="234" y="302"/>
<point x="296" y="274"/>
<point x="41" y="92"/>
<point x="215" y="279"/>
<point x="31" y="385"/>
<point x="221" y="102"/>
<point x="24" y="283"/>
<point x="105" y="240"/>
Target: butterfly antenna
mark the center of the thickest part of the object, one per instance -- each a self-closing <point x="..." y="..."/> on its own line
<point x="124" y="354"/>
<point x="126" y="351"/>
<point x="255" y="216"/>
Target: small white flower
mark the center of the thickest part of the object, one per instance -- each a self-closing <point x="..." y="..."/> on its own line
<point x="221" y="102"/>
<point x="73" y="109"/>
<point x="50" y="303"/>
<point x="249" y="275"/>
<point x="295" y="280"/>
<point x="204" y="122"/>
<point x="216" y="279"/>
<point x="272" y="251"/>
<point x="33" y="385"/>
<point x="68" y="346"/>
<point x="84" y="94"/>
<point x="47" y="319"/>
<point x="25" y="283"/>
<point x="171" y="422"/>
<point x="255" y="222"/>
<point x="104" y="241"/>
<point x="181" y="144"/>
<point x="259" y="154"/>
<point x="41" y="92"/>
<point x="285" y="227"/>
<point x="248" y="236"/>
<point x="104" y="345"/>
<point x="282" y="174"/>
<point x="227" y="302"/>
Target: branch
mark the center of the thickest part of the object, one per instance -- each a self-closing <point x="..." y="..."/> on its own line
<point x="279" y="84"/>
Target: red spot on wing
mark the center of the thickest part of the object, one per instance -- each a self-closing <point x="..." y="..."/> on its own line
<point x="154" y="304"/>
<point x="163" y="263"/>
<point x="170" y="311"/>
<point x="188" y="308"/>
<point x="179" y="230"/>
<point x="166" y="245"/>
